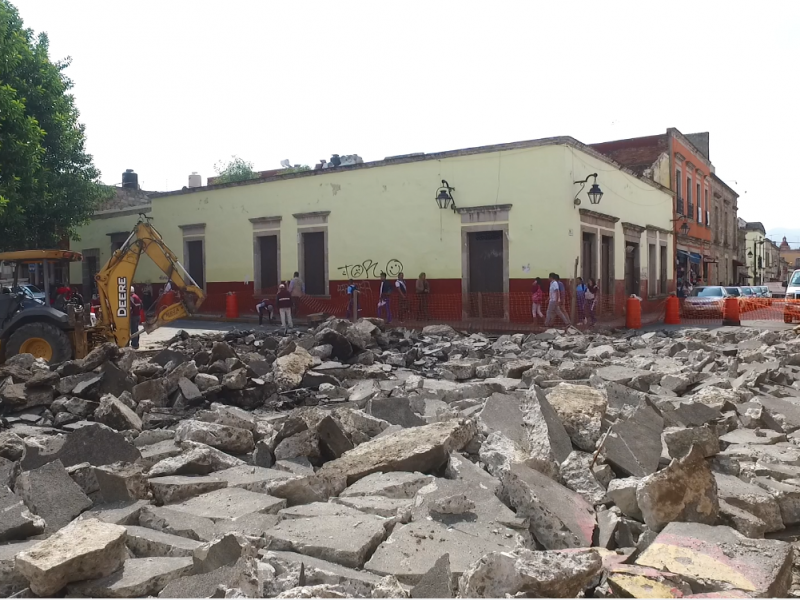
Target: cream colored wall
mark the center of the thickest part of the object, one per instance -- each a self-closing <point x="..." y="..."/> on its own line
<point x="389" y="212"/>
<point x="628" y="198"/>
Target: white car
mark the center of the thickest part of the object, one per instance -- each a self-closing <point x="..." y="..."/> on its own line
<point x="791" y="309"/>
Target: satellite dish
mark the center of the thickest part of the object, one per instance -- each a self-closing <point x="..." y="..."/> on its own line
<point x="286" y="164"/>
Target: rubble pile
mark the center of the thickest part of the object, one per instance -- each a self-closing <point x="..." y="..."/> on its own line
<point x="355" y="461"/>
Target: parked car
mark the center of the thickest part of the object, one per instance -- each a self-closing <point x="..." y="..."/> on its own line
<point x="705" y="301"/>
<point x="35" y="292"/>
<point x="763" y="292"/>
<point x="791" y="308"/>
<point x="28" y="299"/>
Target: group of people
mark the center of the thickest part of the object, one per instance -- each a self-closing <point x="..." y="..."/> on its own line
<point x="588" y="296"/>
<point x="287" y="301"/>
<point x="423" y="289"/>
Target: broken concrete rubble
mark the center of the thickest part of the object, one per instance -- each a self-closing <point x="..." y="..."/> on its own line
<point x="420" y="448"/>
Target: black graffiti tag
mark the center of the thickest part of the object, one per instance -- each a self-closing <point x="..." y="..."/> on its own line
<point x="369" y="268"/>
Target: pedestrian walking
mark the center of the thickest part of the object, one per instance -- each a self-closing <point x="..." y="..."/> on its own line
<point x="423" y="292"/>
<point x="554" y="304"/>
<point x="297" y="289"/>
<point x="284" y="303"/>
<point x="384" y="304"/>
<point x="265" y="308"/>
<point x="580" y="290"/>
<point x="352" y="296"/>
<point x="592" y="298"/>
<point x="537" y="296"/>
<point x="402" y="290"/>
<point x="135" y="318"/>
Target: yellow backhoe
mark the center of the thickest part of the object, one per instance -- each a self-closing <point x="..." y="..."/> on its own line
<point x="56" y="335"/>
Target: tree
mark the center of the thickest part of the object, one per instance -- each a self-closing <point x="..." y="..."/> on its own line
<point x="49" y="185"/>
<point x="236" y="169"/>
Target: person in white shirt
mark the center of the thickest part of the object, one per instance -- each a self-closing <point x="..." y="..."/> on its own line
<point x="400" y="284"/>
<point x="296" y="288"/>
<point x="554" y="305"/>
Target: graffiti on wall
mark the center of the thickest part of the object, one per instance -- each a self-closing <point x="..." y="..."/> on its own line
<point x="371" y="269"/>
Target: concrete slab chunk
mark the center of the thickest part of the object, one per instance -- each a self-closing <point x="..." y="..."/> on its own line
<point x="634" y="445"/>
<point x="391" y="485"/>
<point x="684" y="491"/>
<point x="411" y="549"/>
<point x="722" y="559"/>
<point x="422" y="449"/>
<point x="559" y="518"/>
<point x="177" y="488"/>
<point x="230" y="504"/>
<point x="138" y="578"/>
<point x="322" y="537"/>
<point x="84" y="549"/>
<point x="581" y="409"/>
<point x="436" y="583"/>
<point x="51" y="493"/>
<point x="751" y="498"/>
<point x="145" y="542"/>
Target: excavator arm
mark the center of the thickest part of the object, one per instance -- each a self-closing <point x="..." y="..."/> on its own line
<point x="114" y="282"/>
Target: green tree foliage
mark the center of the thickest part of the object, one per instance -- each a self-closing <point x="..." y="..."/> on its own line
<point x="236" y="169"/>
<point x="48" y="183"/>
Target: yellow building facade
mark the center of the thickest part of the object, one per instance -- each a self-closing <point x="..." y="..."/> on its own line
<point x="515" y="218"/>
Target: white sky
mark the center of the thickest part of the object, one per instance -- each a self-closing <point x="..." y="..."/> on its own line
<point x="171" y="87"/>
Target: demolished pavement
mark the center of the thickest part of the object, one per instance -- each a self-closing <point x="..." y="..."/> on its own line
<point x="353" y="460"/>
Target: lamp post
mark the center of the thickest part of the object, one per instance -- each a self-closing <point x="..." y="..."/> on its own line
<point x="754" y="255"/>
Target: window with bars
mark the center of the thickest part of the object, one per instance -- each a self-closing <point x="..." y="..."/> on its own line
<point x="680" y="206"/>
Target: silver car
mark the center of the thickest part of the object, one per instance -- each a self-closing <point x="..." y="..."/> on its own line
<point x="705" y="301"/>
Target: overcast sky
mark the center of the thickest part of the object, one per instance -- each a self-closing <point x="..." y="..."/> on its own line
<point x="171" y="87"/>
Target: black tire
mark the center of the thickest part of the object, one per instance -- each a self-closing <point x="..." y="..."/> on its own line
<point x="59" y="341"/>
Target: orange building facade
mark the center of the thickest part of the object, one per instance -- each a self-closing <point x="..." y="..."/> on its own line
<point x="702" y="230"/>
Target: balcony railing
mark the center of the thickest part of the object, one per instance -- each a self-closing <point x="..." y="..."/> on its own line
<point x="680" y="206"/>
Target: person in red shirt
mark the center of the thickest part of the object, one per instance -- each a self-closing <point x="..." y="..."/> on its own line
<point x="135" y="316"/>
<point x="284" y="304"/>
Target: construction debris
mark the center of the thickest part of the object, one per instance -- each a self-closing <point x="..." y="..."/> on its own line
<point x="356" y="461"/>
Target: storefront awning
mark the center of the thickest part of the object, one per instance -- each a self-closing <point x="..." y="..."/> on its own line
<point x="736" y="263"/>
<point x="695" y="258"/>
<point x="683" y="255"/>
<point x="710" y="260"/>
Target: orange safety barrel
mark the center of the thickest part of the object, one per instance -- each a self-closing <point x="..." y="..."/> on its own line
<point x="730" y="312"/>
<point x="231" y="306"/>
<point x="633" y="313"/>
<point x="672" y="312"/>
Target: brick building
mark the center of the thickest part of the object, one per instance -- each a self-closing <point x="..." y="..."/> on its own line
<point x="705" y="210"/>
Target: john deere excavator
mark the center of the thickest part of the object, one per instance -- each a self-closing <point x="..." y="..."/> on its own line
<point x="57" y="336"/>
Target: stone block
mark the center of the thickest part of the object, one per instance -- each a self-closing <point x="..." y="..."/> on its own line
<point x="233" y="440"/>
<point x="84" y="549"/>
<point x="177" y="488"/>
<point x="581" y="409"/>
<point x="391" y="485"/>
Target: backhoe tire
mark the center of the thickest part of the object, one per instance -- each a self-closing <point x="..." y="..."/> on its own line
<point x="43" y="340"/>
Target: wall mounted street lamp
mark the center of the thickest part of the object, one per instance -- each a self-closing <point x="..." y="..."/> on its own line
<point x="595" y="193"/>
<point x="444" y="196"/>
<point x="684" y="230"/>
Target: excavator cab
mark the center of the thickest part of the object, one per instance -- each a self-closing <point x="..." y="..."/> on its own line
<point x="26" y="326"/>
<point x="57" y="336"/>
